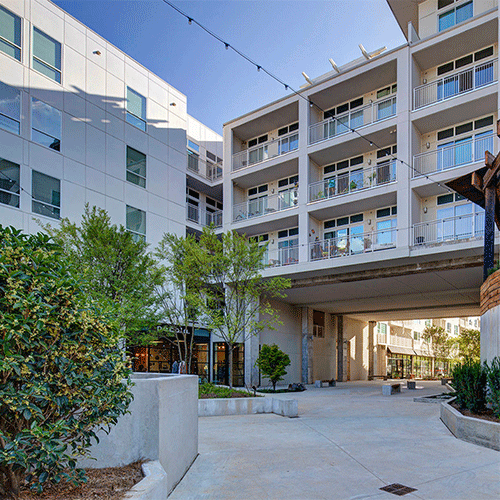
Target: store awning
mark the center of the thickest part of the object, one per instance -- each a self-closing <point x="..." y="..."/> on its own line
<point x="419" y="352"/>
<point x="400" y="350"/>
<point x="202" y="332"/>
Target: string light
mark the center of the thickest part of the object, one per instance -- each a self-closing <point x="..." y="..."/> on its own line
<point x="287" y="87"/>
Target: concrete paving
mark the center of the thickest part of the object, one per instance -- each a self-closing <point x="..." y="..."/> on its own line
<point x="348" y="442"/>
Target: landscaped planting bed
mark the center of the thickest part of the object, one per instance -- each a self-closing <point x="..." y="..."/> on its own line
<point x="212" y="391"/>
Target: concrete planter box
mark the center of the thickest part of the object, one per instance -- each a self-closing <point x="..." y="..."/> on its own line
<point x="162" y="425"/>
<point x="246" y="406"/>
<point x="474" y="430"/>
<point x="154" y="486"/>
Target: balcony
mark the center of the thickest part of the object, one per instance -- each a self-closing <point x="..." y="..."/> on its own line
<point x="353" y="244"/>
<point x="280" y="257"/>
<point x="265" y="151"/>
<point x="353" y="181"/>
<point x="455" y="84"/>
<point x="466" y="152"/>
<point x="450" y="229"/>
<point x="395" y="340"/>
<point x="356" y="118"/>
<point x="266" y="205"/>
<point x="203" y="217"/>
<point x="206" y="169"/>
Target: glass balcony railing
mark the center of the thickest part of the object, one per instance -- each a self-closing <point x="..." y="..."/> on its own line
<point x="203" y="217"/>
<point x="207" y="169"/>
<point x="265" y="151"/>
<point x="464" y="152"/>
<point x="455" y="84"/>
<point x="352" y="181"/>
<point x="449" y="229"/>
<point x="353" y="244"/>
<point x="356" y="118"/>
<point x="265" y="205"/>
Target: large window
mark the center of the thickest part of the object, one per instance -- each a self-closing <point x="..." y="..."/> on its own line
<point x="455" y="15"/>
<point x="46" y="55"/>
<point x="46" y="194"/>
<point x="10" y="108"/>
<point x="9" y="183"/>
<point x="10" y="33"/>
<point x="136" y="223"/>
<point x="136" y="167"/>
<point x="45" y="125"/>
<point x="136" y="109"/>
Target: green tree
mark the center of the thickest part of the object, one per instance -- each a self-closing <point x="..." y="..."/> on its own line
<point x="272" y="362"/>
<point x="182" y="292"/>
<point x="120" y="273"/>
<point x="469" y="344"/>
<point x="438" y="340"/>
<point x="62" y="377"/>
<point x="237" y="296"/>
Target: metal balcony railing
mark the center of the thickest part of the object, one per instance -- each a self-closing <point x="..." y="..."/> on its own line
<point x="465" y="152"/>
<point x="287" y="256"/>
<point x="395" y="340"/>
<point x="319" y="331"/>
<point x="207" y="169"/>
<point x="203" y="217"/>
<point x="265" y="205"/>
<point x="356" y="118"/>
<point x="352" y="181"/>
<point x="461" y="227"/>
<point x="353" y="244"/>
<point x="454" y="84"/>
<point x="265" y="151"/>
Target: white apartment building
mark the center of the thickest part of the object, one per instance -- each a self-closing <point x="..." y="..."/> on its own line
<point x="82" y="122"/>
<point x="345" y="183"/>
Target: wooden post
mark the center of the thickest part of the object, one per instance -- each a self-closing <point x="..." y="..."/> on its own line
<point x="489" y="229"/>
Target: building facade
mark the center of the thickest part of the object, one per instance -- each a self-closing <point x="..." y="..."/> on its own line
<point x="346" y="184"/>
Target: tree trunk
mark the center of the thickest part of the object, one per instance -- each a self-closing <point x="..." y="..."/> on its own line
<point x="13" y="482"/>
<point x="230" y="364"/>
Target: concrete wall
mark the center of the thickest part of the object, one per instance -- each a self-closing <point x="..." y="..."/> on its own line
<point x="162" y="425"/>
<point x="356" y="350"/>
<point x="324" y="352"/>
<point x="288" y="338"/>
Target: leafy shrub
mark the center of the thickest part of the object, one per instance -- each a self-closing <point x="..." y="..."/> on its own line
<point x="272" y="362"/>
<point x="217" y="391"/>
<point x="494" y="386"/>
<point x="469" y="382"/>
<point x="61" y="373"/>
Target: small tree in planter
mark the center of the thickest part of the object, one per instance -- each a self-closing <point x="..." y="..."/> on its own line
<point x="272" y="363"/>
<point x="61" y="372"/>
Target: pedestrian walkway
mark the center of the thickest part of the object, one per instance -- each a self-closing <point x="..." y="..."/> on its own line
<point x="348" y="442"/>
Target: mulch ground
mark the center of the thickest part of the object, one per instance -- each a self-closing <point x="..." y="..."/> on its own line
<point x="484" y="415"/>
<point x="102" y="484"/>
<point x="234" y="394"/>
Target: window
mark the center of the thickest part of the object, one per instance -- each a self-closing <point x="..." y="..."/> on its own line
<point x="9" y="183"/>
<point x="416" y="335"/>
<point x="288" y="246"/>
<point x="136" y="167"/>
<point x="10" y="108"/>
<point x="455" y="15"/>
<point x="194" y="146"/>
<point x="46" y="55"/>
<point x="45" y="125"/>
<point x="10" y="33"/>
<point x="448" y="327"/>
<point x="46" y="194"/>
<point x="136" y="109"/>
<point x="318" y="324"/>
<point x="382" y="328"/>
<point x="136" y="223"/>
<point x="386" y="227"/>
<point x="455" y="329"/>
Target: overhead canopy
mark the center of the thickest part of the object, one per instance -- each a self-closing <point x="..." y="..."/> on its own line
<point x="419" y="352"/>
<point x="400" y="350"/>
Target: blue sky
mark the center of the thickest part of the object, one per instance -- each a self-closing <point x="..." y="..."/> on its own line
<point x="286" y="37"/>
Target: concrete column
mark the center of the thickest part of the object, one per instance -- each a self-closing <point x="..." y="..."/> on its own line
<point x="371" y="352"/>
<point x="304" y="111"/>
<point x="251" y="355"/>
<point x="307" y="346"/>
<point x="340" y="348"/>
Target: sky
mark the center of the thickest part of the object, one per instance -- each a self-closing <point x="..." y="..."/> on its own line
<point x="285" y="37"/>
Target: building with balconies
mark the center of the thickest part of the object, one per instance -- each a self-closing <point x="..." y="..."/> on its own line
<point x="345" y="185"/>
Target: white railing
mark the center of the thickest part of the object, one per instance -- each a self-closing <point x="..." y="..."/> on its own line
<point x="265" y="205"/>
<point x="381" y="338"/>
<point x="356" y="118"/>
<point x="352" y="244"/>
<point x="455" y="155"/>
<point x="287" y="256"/>
<point x="319" y="331"/>
<point x="457" y="228"/>
<point x="207" y="169"/>
<point x="396" y="340"/>
<point x="354" y="180"/>
<point x="203" y="217"/>
<point x="449" y="86"/>
<point x="265" y="151"/>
